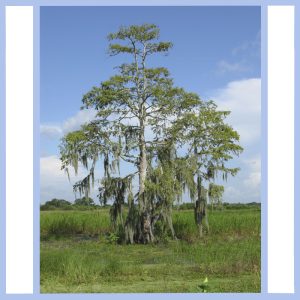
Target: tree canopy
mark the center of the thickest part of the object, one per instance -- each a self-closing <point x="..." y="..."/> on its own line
<point x="55" y="204"/>
<point x="84" y="201"/>
<point x="170" y="136"/>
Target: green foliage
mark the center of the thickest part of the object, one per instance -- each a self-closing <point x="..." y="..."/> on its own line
<point x="79" y="204"/>
<point x="56" y="204"/>
<point x="185" y="206"/>
<point x="225" y="206"/>
<point x="210" y="140"/>
<point x="235" y="206"/>
<point x="112" y="238"/>
<point x="84" y="201"/>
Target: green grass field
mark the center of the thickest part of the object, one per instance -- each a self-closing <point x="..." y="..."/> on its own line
<point x="78" y="256"/>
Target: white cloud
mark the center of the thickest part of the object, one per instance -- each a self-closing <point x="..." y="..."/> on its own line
<point x="245" y="187"/>
<point x="243" y="99"/>
<point x="225" y="66"/>
<point x="74" y="123"/>
<point x="71" y="124"/>
<point x="253" y="179"/>
<point x="54" y="182"/>
<point x="232" y="194"/>
<point x="51" y="131"/>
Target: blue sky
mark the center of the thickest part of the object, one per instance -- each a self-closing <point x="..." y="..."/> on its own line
<point x="216" y="54"/>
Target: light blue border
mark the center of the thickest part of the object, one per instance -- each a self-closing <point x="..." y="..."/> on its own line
<point x="297" y="150"/>
<point x="264" y="150"/>
<point x="2" y="151"/>
<point x="36" y="149"/>
<point x="36" y="5"/>
<point x="149" y="2"/>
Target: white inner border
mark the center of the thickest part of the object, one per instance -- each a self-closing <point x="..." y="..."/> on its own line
<point x="19" y="149"/>
<point x="281" y="149"/>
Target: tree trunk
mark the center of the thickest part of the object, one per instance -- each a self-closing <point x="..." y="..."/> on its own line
<point x="146" y="233"/>
<point x="142" y="174"/>
<point x="200" y="208"/>
<point x="170" y="223"/>
<point x="131" y="224"/>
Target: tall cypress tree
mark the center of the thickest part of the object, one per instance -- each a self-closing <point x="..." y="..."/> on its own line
<point x="140" y="100"/>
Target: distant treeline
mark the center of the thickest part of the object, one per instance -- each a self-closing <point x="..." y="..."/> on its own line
<point x="89" y="204"/>
<point x="224" y="205"/>
<point x="61" y="204"/>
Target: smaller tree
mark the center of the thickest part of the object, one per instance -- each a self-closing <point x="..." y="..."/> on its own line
<point x="84" y="201"/>
<point x="56" y="204"/>
<point x="215" y="194"/>
<point x="211" y="143"/>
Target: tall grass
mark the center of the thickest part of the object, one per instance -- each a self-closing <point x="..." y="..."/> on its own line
<point x="92" y="223"/>
<point x="220" y="223"/>
<point x="66" y="223"/>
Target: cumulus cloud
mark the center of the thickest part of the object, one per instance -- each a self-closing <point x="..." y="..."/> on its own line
<point x="71" y="124"/>
<point x="54" y="182"/>
<point x="74" y="123"/>
<point x="245" y="187"/>
<point x="243" y="99"/>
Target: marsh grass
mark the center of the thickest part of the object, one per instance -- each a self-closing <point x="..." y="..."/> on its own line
<point x="60" y="224"/>
<point x="229" y="256"/>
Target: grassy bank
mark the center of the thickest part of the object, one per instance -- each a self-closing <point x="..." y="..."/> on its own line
<point x="77" y="255"/>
